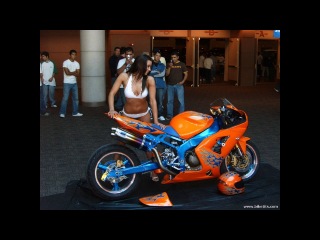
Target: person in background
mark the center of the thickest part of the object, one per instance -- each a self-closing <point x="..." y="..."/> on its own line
<point x="49" y="83"/>
<point x="214" y="66"/>
<point x="177" y="73"/>
<point x="123" y="66"/>
<point x="220" y="61"/>
<point x="71" y="69"/>
<point x="158" y="72"/>
<point x="43" y="109"/>
<point x="265" y="68"/>
<point x="259" y="65"/>
<point x="113" y="63"/>
<point x="162" y="60"/>
<point x="122" y="52"/>
<point x="137" y="86"/>
<point x="201" y="66"/>
<point x="207" y="64"/>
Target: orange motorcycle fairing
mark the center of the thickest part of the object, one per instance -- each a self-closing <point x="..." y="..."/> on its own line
<point x="188" y="124"/>
<point x="161" y="199"/>
<point x="210" y="168"/>
<point x="210" y="161"/>
<point x="243" y="143"/>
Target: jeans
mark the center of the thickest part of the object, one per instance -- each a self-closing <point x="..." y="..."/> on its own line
<point x="171" y="91"/>
<point x="67" y="87"/>
<point x="49" y="89"/>
<point x="213" y="73"/>
<point x="265" y="69"/>
<point x="160" y="93"/>
<point x="43" y="108"/>
<point x="207" y="73"/>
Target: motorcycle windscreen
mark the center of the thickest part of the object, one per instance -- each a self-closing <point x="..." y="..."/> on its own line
<point x="161" y="199"/>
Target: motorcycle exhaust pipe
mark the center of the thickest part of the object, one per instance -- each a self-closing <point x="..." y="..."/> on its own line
<point x="128" y="138"/>
<point x="135" y="141"/>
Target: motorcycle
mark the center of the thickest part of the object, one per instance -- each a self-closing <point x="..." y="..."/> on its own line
<point x="194" y="146"/>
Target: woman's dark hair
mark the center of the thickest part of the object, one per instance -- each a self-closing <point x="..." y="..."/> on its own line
<point x="139" y="68"/>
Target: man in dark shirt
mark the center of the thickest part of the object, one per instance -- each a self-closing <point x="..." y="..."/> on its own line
<point x="113" y="63"/>
<point x="177" y="73"/>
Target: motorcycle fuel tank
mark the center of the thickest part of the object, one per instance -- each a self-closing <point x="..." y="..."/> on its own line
<point x="190" y="123"/>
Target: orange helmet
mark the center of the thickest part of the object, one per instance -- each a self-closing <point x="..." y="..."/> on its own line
<point x="230" y="183"/>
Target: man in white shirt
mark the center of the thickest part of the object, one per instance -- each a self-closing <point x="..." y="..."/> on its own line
<point x="43" y="109"/>
<point x="207" y="64"/>
<point x="123" y="66"/>
<point x="201" y="66"/>
<point x="71" y="69"/>
<point x="49" y="82"/>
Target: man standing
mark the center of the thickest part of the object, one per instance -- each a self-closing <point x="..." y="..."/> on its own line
<point x="71" y="69"/>
<point x="158" y="71"/>
<point x="207" y="64"/>
<point x="113" y="63"/>
<point x="177" y="73"/>
<point x="49" y="82"/>
<point x="43" y="109"/>
<point x="123" y="66"/>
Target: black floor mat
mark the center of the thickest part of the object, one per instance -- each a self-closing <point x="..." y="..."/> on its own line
<point x="262" y="193"/>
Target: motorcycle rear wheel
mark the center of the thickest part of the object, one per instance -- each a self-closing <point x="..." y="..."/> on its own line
<point x="112" y="188"/>
<point x="250" y="169"/>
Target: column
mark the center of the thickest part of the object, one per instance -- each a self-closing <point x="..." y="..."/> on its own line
<point x="92" y="68"/>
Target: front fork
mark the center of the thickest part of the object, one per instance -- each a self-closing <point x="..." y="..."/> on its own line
<point x="241" y="158"/>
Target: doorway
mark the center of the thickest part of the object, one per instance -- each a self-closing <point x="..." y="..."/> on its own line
<point x="169" y="44"/>
<point x="214" y="48"/>
<point x="269" y="49"/>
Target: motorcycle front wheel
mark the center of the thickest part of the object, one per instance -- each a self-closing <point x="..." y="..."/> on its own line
<point x="246" y="166"/>
<point x="112" y="158"/>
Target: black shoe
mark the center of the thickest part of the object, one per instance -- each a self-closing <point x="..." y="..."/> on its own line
<point x="45" y="114"/>
<point x="168" y="118"/>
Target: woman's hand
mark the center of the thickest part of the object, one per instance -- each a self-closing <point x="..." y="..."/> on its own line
<point x="162" y="126"/>
<point x="112" y="113"/>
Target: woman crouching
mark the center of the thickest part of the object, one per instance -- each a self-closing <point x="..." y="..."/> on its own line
<point x="137" y="86"/>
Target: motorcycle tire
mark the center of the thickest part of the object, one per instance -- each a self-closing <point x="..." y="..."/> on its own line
<point x="249" y="170"/>
<point x="113" y="188"/>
